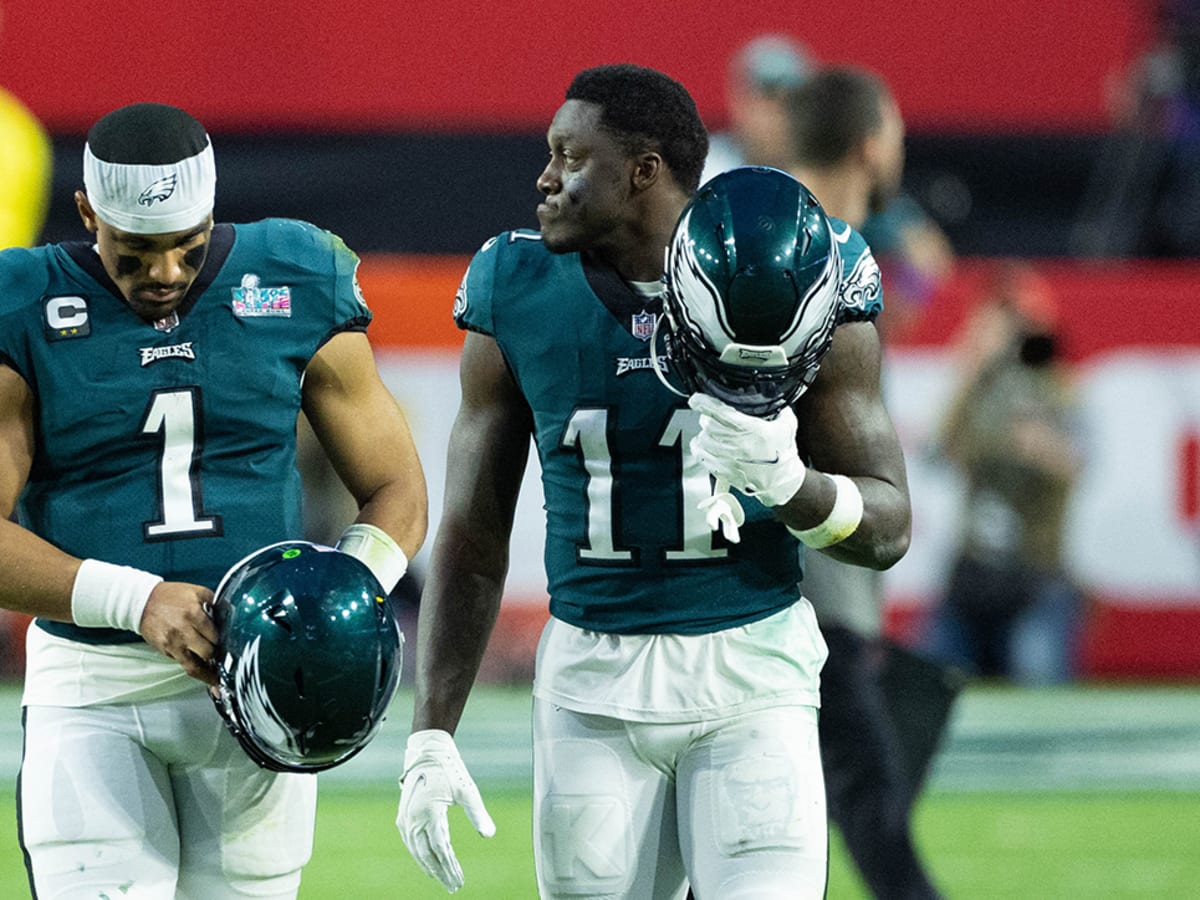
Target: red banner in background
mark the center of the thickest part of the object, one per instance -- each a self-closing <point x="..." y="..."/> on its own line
<point x="1022" y="65"/>
<point x="1100" y="305"/>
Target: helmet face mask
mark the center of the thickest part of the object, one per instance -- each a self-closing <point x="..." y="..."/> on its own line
<point x="752" y="276"/>
<point x="757" y="389"/>
<point x="308" y="656"/>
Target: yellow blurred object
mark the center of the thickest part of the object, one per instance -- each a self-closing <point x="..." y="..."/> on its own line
<point x="25" y="160"/>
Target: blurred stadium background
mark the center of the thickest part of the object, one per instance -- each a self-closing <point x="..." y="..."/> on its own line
<point x="417" y="132"/>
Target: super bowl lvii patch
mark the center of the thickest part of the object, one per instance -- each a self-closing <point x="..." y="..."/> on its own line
<point x="251" y="299"/>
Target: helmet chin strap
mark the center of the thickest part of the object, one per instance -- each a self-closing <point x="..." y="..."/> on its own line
<point x="654" y="358"/>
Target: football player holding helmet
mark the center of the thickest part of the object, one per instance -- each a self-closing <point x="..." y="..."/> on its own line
<point x="308" y="656"/>
<point x="752" y="276"/>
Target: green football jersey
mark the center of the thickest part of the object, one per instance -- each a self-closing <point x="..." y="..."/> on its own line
<point x="627" y="548"/>
<point x="171" y="446"/>
<point x="860" y="292"/>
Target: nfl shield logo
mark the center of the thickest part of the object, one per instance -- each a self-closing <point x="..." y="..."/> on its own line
<point x="643" y="325"/>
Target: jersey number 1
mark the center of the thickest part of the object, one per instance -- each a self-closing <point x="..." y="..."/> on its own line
<point x="175" y="415"/>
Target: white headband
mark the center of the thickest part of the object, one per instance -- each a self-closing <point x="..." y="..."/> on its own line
<point x="151" y="199"/>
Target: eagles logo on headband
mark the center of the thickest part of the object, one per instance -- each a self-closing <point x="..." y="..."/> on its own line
<point x="149" y="169"/>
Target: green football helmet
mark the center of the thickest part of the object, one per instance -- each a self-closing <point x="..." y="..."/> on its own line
<point x="308" y="656"/>
<point x="752" y="274"/>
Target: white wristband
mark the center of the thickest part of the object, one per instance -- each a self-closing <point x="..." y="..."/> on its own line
<point x="842" y="520"/>
<point x="110" y="596"/>
<point x="375" y="547"/>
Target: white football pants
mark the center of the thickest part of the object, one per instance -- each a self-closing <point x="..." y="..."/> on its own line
<point x="635" y="810"/>
<point x="156" y="801"/>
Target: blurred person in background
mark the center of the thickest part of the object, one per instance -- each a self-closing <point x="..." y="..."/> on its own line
<point x="847" y="135"/>
<point x="914" y="254"/>
<point x="847" y="138"/>
<point x="915" y="257"/>
<point x="1143" y="197"/>
<point x="1010" y="609"/>
<point x="760" y="76"/>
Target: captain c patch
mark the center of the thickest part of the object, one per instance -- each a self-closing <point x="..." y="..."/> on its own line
<point x="64" y="318"/>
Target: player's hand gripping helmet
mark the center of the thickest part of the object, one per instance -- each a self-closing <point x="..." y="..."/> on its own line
<point x="752" y="276"/>
<point x="308" y="656"/>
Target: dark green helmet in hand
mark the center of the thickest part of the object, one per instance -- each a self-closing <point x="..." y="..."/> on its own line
<point x="308" y="656"/>
<point x="752" y="289"/>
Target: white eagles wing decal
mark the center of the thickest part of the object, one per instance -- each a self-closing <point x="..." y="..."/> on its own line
<point x="258" y="713"/>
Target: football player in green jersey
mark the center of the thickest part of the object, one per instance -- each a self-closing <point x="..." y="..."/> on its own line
<point x="676" y="687"/>
<point x="150" y="388"/>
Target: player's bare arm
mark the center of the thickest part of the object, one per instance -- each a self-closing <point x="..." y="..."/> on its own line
<point x="845" y="429"/>
<point x="489" y="444"/>
<point x="37" y="578"/>
<point x="366" y="436"/>
<point x="488" y="450"/>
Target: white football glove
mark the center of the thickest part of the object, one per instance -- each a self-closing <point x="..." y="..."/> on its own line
<point x="435" y="778"/>
<point x="755" y="455"/>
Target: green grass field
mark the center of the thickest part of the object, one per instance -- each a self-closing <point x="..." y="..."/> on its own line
<point x="1075" y="794"/>
<point x="1070" y="846"/>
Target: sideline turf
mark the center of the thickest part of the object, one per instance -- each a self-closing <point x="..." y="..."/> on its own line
<point x="979" y="846"/>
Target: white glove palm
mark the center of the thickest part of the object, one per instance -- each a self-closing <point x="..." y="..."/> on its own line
<point x="757" y="456"/>
<point x="435" y="778"/>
